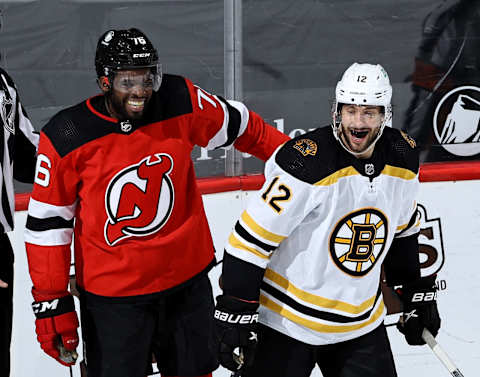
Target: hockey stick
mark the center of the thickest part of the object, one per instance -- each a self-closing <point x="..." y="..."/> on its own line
<point x="441" y="354"/>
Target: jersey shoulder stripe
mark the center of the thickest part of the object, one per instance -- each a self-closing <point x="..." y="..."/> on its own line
<point x="313" y="156"/>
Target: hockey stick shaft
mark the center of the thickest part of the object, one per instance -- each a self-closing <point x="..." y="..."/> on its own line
<point x="441" y="354"/>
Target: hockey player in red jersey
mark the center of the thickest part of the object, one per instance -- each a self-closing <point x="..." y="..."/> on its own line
<point x="305" y="257"/>
<point x="115" y="171"/>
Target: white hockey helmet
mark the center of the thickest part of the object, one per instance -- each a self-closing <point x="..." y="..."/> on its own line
<point x="363" y="84"/>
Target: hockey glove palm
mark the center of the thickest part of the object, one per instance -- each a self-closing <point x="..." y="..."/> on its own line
<point x="56" y="326"/>
<point x="419" y="310"/>
<point x="235" y="332"/>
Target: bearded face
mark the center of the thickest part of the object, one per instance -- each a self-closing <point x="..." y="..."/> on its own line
<point x="360" y="126"/>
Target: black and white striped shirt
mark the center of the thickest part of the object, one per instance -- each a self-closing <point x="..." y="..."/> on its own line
<point x="18" y="148"/>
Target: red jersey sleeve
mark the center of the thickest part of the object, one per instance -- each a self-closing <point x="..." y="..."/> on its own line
<point x="49" y="227"/>
<point x="217" y="122"/>
<point x="260" y="139"/>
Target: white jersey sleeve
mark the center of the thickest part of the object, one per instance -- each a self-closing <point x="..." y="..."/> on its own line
<point x="271" y="215"/>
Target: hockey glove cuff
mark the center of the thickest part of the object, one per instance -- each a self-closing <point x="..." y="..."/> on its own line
<point x="56" y="327"/>
<point x="419" y="310"/>
<point x="235" y="332"/>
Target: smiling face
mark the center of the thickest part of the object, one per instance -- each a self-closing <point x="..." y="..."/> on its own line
<point x="359" y="127"/>
<point x="130" y="93"/>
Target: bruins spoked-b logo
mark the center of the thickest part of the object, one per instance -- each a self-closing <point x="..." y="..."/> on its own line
<point x="139" y="199"/>
<point x="358" y="240"/>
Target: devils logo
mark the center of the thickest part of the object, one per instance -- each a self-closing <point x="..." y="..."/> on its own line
<point x="139" y="199"/>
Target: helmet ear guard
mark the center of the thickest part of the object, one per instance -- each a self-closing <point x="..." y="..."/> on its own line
<point x="104" y="82"/>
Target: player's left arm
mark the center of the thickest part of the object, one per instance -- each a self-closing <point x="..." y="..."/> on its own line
<point x="402" y="263"/>
<point x="220" y="123"/>
<point x="418" y="294"/>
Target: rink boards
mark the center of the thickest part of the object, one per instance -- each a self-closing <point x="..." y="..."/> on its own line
<point x="449" y="244"/>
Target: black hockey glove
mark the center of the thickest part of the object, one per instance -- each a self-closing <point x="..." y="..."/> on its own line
<point x="419" y="310"/>
<point x="235" y="332"/>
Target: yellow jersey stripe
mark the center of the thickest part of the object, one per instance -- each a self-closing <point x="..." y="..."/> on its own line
<point x="262" y="232"/>
<point x="318" y="301"/>
<point x="333" y="178"/>
<point x="402" y="227"/>
<point x="390" y="170"/>
<point x="237" y="244"/>
<point x="395" y="171"/>
<point x="315" y="325"/>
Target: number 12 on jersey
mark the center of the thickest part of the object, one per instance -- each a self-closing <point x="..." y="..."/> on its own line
<point x="276" y="193"/>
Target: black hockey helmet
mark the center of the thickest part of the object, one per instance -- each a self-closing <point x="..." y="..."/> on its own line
<point x="126" y="49"/>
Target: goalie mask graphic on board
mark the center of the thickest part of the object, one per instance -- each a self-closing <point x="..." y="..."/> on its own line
<point x="456" y="122"/>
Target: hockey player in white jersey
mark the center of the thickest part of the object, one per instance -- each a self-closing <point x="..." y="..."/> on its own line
<point x="305" y="256"/>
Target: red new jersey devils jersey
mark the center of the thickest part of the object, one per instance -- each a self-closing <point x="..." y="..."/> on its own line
<point x="126" y="191"/>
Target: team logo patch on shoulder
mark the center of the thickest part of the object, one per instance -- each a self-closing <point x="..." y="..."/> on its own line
<point x="408" y="139"/>
<point x="306" y="147"/>
<point x="358" y="240"/>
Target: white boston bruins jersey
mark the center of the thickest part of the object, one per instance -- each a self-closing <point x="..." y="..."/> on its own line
<point x="321" y="226"/>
